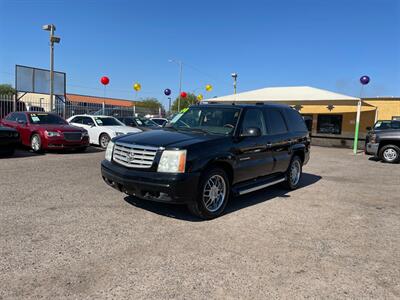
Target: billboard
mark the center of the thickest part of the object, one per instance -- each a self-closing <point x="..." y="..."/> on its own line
<point x="35" y="80"/>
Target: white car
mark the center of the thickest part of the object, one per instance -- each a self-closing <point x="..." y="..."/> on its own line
<point x="101" y="129"/>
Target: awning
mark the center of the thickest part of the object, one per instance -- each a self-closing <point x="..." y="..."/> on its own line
<point x="287" y="95"/>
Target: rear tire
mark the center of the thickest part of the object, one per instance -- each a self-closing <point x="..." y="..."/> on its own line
<point x="104" y="139"/>
<point x="390" y="154"/>
<point x="293" y="173"/>
<point x="212" y="196"/>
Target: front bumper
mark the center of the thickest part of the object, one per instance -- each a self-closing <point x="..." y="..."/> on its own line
<point x="161" y="187"/>
<point x="61" y="143"/>
<point x="372" y="149"/>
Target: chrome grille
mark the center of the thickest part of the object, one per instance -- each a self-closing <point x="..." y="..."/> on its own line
<point x="72" y="136"/>
<point x="134" y="156"/>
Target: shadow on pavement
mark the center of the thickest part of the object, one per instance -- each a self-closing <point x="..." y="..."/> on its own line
<point x="236" y="203"/>
<point x="21" y="152"/>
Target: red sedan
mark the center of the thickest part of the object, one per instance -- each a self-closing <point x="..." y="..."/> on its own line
<point x="42" y="131"/>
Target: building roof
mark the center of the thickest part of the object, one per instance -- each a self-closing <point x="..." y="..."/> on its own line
<point x="284" y="94"/>
<point x="99" y="100"/>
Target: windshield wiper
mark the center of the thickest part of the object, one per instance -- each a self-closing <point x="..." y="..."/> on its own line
<point x="195" y="129"/>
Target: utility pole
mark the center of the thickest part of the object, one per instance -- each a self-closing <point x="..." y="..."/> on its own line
<point x="180" y="64"/>
<point x="234" y="76"/>
<point x="53" y="39"/>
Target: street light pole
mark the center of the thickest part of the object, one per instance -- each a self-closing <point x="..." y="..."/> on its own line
<point x="180" y="64"/>
<point x="51" y="66"/>
<point x="53" y="39"/>
<point x="234" y="76"/>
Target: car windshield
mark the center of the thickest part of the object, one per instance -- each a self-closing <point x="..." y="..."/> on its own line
<point x="146" y="122"/>
<point x="387" y="125"/>
<point x="107" y="121"/>
<point x="213" y="120"/>
<point x="46" y="119"/>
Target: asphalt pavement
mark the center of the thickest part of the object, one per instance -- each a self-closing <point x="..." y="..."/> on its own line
<point x="66" y="234"/>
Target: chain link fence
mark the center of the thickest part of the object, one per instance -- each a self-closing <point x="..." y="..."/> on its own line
<point x="66" y="108"/>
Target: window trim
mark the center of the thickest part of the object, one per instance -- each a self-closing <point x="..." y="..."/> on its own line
<point x="334" y="115"/>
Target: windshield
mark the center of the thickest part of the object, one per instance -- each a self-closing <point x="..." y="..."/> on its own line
<point x="214" y="120"/>
<point x="107" y="121"/>
<point x="46" y="119"/>
<point x="146" y="122"/>
<point x="387" y="125"/>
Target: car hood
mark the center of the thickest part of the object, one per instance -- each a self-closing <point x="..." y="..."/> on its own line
<point x="167" y="138"/>
<point x="123" y="129"/>
<point x="58" y="127"/>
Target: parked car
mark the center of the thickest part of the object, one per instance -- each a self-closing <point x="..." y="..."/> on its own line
<point x="160" y="121"/>
<point x="141" y="123"/>
<point x="43" y="131"/>
<point x="9" y="140"/>
<point x="101" y="128"/>
<point x="383" y="141"/>
<point x="208" y="153"/>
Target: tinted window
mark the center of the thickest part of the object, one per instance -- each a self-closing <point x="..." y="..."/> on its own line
<point x="87" y="121"/>
<point x="77" y="120"/>
<point x="296" y="122"/>
<point x="12" y="117"/>
<point x="21" y="117"/>
<point x="108" y="121"/>
<point x="276" y="121"/>
<point x="387" y="125"/>
<point x="45" y="119"/>
<point x="331" y="124"/>
<point x="254" y="118"/>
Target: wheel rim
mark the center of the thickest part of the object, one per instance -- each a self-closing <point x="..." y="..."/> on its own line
<point x="390" y="154"/>
<point x="214" y="193"/>
<point x="35" y="144"/>
<point x="295" y="172"/>
<point x="104" y="141"/>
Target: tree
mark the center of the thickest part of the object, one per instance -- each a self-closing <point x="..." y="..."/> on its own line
<point x="6" y="89"/>
<point x="185" y="102"/>
<point x="150" y="105"/>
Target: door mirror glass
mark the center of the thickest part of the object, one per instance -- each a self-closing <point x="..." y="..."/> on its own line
<point x="251" y="131"/>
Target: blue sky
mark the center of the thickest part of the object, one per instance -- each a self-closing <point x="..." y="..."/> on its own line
<point x="325" y="44"/>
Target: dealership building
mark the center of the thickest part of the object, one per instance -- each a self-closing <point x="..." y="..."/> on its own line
<point x="330" y="117"/>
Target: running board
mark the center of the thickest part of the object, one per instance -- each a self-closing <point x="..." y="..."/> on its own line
<point x="255" y="186"/>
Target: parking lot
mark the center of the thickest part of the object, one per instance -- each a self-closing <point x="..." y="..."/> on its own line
<point x="66" y="234"/>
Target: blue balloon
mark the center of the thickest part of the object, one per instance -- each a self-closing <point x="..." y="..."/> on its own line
<point x="364" y="80"/>
<point x="167" y="92"/>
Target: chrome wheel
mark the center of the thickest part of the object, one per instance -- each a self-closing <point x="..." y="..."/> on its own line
<point x="104" y="140"/>
<point x="390" y="154"/>
<point x="295" y="172"/>
<point x="35" y="143"/>
<point x="214" y="193"/>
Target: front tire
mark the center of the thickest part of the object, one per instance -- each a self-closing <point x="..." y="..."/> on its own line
<point x="293" y="173"/>
<point x="36" y="143"/>
<point x="104" y="140"/>
<point x="213" y="195"/>
<point x="390" y="154"/>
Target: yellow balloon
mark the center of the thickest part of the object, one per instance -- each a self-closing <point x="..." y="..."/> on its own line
<point x="199" y="97"/>
<point x="208" y="87"/>
<point x="137" y="87"/>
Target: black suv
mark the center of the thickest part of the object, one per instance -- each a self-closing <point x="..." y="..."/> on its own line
<point x="383" y="141"/>
<point x="209" y="152"/>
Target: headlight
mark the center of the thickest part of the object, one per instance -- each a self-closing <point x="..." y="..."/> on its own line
<point x="119" y="133"/>
<point x="172" y="161"/>
<point x="52" y="133"/>
<point x="109" y="151"/>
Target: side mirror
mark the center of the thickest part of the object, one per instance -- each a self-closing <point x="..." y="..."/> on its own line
<point x="251" y="131"/>
<point x="369" y="128"/>
<point x="22" y="122"/>
<point x="91" y="125"/>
